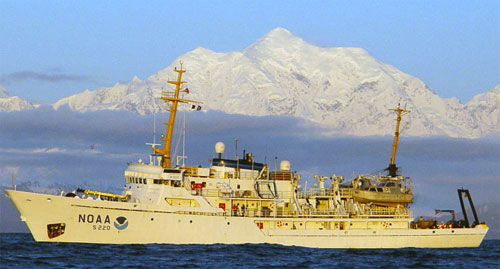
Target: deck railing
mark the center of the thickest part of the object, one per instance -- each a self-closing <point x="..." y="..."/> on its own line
<point x="241" y="194"/>
<point x="284" y="213"/>
<point x="343" y="192"/>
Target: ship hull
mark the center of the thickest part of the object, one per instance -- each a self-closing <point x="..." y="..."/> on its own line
<point x="107" y="222"/>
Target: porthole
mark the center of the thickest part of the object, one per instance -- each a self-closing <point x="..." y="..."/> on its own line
<point x="228" y="223"/>
<point x="190" y="221"/>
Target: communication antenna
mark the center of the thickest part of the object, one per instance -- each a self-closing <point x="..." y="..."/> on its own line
<point x="153" y="145"/>
<point x="406" y="124"/>
<point x="265" y="156"/>
<point x="237" y="159"/>
<point x="405" y="127"/>
<point x="184" y="157"/>
<point x="182" y="133"/>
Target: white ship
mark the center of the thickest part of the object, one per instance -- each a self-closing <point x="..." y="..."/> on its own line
<point x="238" y="201"/>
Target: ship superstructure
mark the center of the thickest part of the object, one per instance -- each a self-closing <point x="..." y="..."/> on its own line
<point x="237" y="201"/>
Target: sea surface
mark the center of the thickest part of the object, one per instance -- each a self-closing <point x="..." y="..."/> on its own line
<point x="21" y="251"/>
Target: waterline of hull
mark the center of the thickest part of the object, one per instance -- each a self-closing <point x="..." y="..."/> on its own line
<point x="96" y="221"/>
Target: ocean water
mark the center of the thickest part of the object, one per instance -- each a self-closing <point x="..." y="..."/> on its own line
<point x="20" y="251"/>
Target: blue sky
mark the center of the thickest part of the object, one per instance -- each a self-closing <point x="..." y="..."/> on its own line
<point x="51" y="49"/>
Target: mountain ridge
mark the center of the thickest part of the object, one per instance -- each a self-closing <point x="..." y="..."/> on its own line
<point x="345" y="91"/>
<point x="13" y="103"/>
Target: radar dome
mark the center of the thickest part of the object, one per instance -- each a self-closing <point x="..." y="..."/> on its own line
<point x="285" y="166"/>
<point x="220" y="147"/>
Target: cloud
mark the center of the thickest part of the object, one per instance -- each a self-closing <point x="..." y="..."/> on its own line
<point x="48" y="150"/>
<point x="54" y="147"/>
<point x="53" y="75"/>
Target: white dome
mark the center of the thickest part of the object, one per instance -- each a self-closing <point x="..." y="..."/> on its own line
<point x="285" y="166"/>
<point x="220" y="147"/>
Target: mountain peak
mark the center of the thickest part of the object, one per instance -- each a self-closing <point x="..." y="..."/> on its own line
<point x="13" y="103"/>
<point x="276" y="38"/>
<point x="280" y="35"/>
<point x="342" y="90"/>
<point x="279" y="32"/>
<point x="135" y="79"/>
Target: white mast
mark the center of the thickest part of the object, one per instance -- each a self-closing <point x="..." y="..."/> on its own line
<point x="183" y="134"/>
<point x="153" y="145"/>
<point x="184" y="157"/>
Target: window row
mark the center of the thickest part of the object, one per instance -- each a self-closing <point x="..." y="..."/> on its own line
<point x="136" y="180"/>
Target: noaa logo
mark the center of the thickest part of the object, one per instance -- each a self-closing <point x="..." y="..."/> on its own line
<point x="121" y="223"/>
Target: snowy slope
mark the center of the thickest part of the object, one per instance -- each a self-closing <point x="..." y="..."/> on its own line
<point x="485" y="110"/>
<point x="344" y="90"/>
<point x="136" y="96"/>
<point x="13" y="103"/>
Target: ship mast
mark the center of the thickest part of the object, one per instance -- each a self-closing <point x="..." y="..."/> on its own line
<point x="392" y="166"/>
<point x="171" y="98"/>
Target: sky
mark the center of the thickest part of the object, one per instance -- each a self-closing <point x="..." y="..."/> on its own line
<point x="52" y="49"/>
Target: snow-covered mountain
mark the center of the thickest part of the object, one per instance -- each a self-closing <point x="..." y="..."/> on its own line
<point x="343" y="90"/>
<point x="13" y="103"/>
<point x="485" y="110"/>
